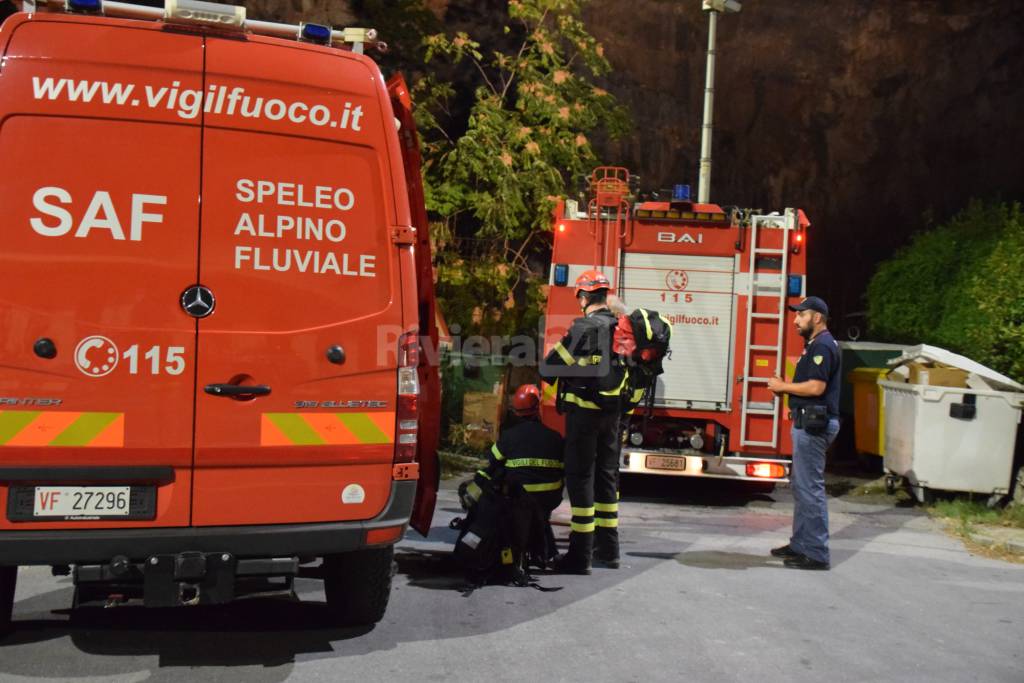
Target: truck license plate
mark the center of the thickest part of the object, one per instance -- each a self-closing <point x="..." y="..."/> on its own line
<point x="663" y="462"/>
<point x="82" y="501"/>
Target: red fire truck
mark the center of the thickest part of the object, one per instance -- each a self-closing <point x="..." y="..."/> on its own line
<point x="723" y="278"/>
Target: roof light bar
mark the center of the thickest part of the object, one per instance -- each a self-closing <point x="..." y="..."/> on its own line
<point x="84" y="6"/>
<point x="211" y="14"/>
<point x="315" y="33"/>
<point x="216" y="16"/>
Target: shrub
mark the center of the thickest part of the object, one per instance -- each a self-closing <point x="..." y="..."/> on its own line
<point x="959" y="286"/>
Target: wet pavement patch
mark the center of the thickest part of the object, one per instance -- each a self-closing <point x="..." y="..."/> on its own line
<point x="717" y="559"/>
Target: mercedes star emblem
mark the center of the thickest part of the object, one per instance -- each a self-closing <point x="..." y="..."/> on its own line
<point x="198" y="301"/>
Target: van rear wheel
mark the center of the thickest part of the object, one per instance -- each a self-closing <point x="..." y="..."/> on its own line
<point x="8" y="581"/>
<point x="358" y="585"/>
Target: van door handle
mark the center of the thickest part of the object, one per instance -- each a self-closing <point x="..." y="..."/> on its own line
<point x="235" y="390"/>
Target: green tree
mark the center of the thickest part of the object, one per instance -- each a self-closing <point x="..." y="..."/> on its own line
<point x="493" y="169"/>
<point x="960" y="286"/>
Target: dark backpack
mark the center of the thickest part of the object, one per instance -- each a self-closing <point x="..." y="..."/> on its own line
<point x="643" y="338"/>
<point x="499" y="535"/>
<point x="488" y="548"/>
<point x="598" y="376"/>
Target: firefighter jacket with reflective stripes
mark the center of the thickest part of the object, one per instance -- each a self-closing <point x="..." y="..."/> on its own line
<point x="528" y="455"/>
<point x="636" y="392"/>
<point x="589" y="374"/>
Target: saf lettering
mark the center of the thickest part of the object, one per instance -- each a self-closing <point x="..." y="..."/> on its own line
<point x="59" y="214"/>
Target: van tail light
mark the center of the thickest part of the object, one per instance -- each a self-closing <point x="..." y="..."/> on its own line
<point x="407" y="419"/>
<point x="766" y="470"/>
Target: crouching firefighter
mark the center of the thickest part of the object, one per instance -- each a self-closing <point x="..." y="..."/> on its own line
<point x="524" y="480"/>
<point x="591" y="380"/>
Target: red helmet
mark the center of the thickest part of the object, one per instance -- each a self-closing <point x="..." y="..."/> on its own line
<point x="591" y="281"/>
<point x="526" y="402"/>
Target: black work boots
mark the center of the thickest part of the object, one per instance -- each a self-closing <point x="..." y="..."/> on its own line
<point x="572" y="564"/>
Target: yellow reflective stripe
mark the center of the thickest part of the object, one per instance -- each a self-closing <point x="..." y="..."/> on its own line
<point x="550" y="390"/>
<point x="617" y="390"/>
<point x="535" y="462"/>
<point x="667" y="325"/>
<point x="326" y="429"/>
<point x="593" y="360"/>
<point x="583" y="512"/>
<point x="551" y="486"/>
<point x="484" y="475"/>
<point x="564" y="355"/>
<point x="582" y="528"/>
<point x="61" y="428"/>
<point x="474" y="491"/>
<point x="647" y="322"/>
<point x="606" y="507"/>
<point x="638" y="395"/>
<point x="611" y="523"/>
<point x="497" y="454"/>
<point x="618" y="495"/>
<point x="581" y="402"/>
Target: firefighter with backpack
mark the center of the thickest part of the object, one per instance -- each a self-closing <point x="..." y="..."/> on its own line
<point x="591" y="380"/>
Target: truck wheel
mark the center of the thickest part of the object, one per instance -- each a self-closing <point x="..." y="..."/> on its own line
<point x="358" y="585"/>
<point x="8" y="581"/>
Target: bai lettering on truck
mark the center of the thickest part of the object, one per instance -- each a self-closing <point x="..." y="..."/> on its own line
<point x="296" y="226"/>
<point x="681" y="237"/>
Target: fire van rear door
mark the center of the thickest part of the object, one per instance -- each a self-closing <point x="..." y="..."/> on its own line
<point x="429" y="370"/>
<point x="297" y="372"/>
<point x="98" y="240"/>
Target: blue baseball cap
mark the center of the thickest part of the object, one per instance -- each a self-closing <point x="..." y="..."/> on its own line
<point x="811" y="303"/>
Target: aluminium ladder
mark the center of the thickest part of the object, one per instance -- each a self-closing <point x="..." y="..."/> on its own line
<point x="762" y="285"/>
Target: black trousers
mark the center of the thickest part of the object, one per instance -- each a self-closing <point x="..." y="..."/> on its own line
<point x="592" y="443"/>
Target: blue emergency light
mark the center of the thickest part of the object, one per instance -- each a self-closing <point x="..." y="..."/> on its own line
<point x="561" y="274"/>
<point x="680" y="193"/>
<point x="91" y="6"/>
<point x="316" y="33"/>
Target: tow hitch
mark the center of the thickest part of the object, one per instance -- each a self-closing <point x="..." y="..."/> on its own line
<point x="189" y="579"/>
<point x="186" y="579"/>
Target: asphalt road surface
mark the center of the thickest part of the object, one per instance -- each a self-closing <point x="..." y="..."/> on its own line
<point x="698" y="599"/>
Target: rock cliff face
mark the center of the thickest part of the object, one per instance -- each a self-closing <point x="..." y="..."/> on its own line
<point x="867" y="114"/>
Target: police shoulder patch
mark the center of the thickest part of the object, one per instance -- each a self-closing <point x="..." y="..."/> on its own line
<point x="818" y="359"/>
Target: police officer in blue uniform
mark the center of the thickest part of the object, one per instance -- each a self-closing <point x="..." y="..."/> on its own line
<point x="814" y="409"/>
